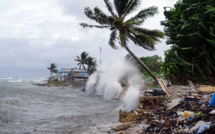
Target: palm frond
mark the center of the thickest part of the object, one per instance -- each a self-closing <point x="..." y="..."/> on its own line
<point x="142" y="39"/>
<point x="131" y="6"/>
<point x="140" y="42"/>
<point x="137" y="23"/>
<point x="113" y="38"/>
<point x="101" y="16"/>
<point x="120" y="6"/>
<point x="89" y="13"/>
<point x="96" y="15"/>
<point x="84" y="55"/>
<point x="110" y="20"/>
<point x="109" y="7"/>
<point x="142" y="36"/>
<point x="84" y="25"/>
<point x="145" y="13"/>
<point x="117" y="6"/>
<point x="152" y="33"/>
<point x="78" y="58"/>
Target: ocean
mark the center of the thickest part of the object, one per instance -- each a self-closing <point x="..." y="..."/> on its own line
<point x="29" y="109"/>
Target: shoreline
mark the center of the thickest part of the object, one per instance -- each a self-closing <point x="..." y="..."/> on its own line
<point x="78" y="84"/>
<point x="51" y="84"/>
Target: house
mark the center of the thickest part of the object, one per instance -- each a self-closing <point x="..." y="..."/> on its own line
<point x="63" y="74"/>
<point x="78" y="75"/>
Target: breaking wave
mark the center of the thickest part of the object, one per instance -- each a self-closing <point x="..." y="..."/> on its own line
<point x="107" y="82"/>
<point x="18" y="81"/>
<point x="22" y="80"/>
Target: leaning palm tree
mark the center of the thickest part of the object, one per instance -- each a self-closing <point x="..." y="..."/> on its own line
<point x="123" y="30"/>
<point x="82" y="60"/>
<point x="91" y="62"/>
<point x="52" y="68"/>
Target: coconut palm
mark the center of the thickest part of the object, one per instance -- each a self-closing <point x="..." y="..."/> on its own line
<point x="52" y="68"/>
<point x="91" y="62"/>
<point x="125" y="30"/>
<point x="82" y="60"/>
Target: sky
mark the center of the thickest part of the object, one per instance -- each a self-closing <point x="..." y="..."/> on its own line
<point x="36" y="33"/>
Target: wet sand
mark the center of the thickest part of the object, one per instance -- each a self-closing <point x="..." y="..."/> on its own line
<point x="56" y="110"/>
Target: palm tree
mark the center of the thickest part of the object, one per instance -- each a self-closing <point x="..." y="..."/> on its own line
<point x="82" y="60"/>
<point x="123" y="30"/>
<point x="91" y="62"/>
<point x="52" y="68"/>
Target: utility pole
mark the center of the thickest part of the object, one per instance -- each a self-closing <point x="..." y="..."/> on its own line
<point x="100" y="56"/>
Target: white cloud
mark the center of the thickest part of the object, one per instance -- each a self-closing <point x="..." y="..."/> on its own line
<point x="75" y="38"/>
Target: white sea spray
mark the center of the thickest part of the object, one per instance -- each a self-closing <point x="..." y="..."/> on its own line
<point x="106" y="82"/>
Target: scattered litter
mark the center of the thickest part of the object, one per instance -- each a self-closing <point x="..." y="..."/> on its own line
<point x="190" y="114"/>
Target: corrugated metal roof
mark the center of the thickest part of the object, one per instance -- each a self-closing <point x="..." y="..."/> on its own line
<point x="81" y="71"/>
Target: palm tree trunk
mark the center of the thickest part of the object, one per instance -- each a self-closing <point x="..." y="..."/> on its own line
<point x="50" y="76"/>
<point x="143" y="65"/>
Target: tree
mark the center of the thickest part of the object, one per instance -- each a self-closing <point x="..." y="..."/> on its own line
<point x="91" y="62"/>
<point x="153" y="62"/>
<point x="190" y="29"/>
<point x="123" y="30"/>
<point x="82" y="60"/>
<point x="52" y="68"/>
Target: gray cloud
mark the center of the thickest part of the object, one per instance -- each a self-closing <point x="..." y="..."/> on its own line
<point x="35" y="34"/>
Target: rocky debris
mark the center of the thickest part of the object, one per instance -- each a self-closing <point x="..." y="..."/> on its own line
<point x="155" y="92"/>
<point x="51" y="84"/>
<point x="189" y="113"/>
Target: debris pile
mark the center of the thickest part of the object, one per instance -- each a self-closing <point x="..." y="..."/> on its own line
<point x="193" y="113"/>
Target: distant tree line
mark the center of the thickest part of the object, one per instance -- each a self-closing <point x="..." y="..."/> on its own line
<point x="153" y="62"/>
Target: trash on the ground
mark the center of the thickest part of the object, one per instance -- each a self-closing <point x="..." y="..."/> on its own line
<point x="212" y="102"/>
<point x="151" y="101"/>
<point x="203" y="128"/>
<point x="198" y="124"/>
<point x="173" y="103"/>
<point x="155" y="92"/>
<point x="212" y="112"/>
<point x="190" y="113"/>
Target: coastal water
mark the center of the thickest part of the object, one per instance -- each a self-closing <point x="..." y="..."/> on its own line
<point x="30" y="109"/>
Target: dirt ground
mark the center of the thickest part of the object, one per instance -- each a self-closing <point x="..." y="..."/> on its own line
<point x="177" y="91"/>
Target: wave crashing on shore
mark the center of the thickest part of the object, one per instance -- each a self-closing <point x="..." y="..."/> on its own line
<point x="108" y="79"/>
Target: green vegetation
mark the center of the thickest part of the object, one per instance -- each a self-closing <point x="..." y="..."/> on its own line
<point x="153" y="62"/>
<point x="88" y="60"/>
<point x="55" y="81"/>
<point x="190" y="28"/>
<point x="122" y="29"/>
<point x="52" y="68"/>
